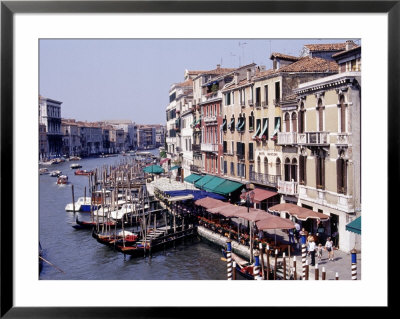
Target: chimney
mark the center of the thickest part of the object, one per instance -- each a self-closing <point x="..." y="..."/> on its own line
<point x="248" y="74"/>
<point x="349" y="45"/>
<point x="218" y="66"/>
<point x="236" y="78"/>
<point x="262" y="67"/>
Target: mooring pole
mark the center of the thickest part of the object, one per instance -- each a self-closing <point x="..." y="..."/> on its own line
<point x="262" y="260"/>
<point x="294" y="268"/>
<point x="229" y="259"/>
<point x="316" y="272"/>
<point x="353" y="264"/>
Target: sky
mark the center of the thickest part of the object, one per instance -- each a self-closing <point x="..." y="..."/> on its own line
<point x="129" y="79"/>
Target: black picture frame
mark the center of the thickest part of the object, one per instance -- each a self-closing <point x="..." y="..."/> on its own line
<point x="9" y="8"/>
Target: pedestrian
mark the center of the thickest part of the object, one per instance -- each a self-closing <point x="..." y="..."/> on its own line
<point x="311" y="250"/>
<point x="291" y="236"/>
<point x="329" y="248"/>
<point x="319" y="252"/>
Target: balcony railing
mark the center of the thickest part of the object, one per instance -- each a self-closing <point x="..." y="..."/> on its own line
<point x="265" y="179"/>
<point x="196" y="147"/>
<point x="343" y="139"/>
<point x="250" y="156"/>
<point x="195" y="168"/>
<point x="313" y="138"/>
<point x="239" y="155"/>
<point x="208" y="147"/>
<point x="287" y="138"/>
<point x="287" y="188"/>
<point x="211" y="96"/>
<point x="277" y="102"/>
<point x="250" y="102"/>
<point x="258" y="104"/>
<point x="264" y="104"/>
<point x="242" y="103"/>
<point x="210" y="119"/>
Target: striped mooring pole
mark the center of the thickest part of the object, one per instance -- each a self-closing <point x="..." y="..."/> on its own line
<point x="229" y="259"/>
<point x="294" y="268"/>
<point x="284" y="265"/>
<point x="303" y="259"/>
<point x="256" y="271"/>
<point x="234" y="270"/>
<point x="307" y="270"/>
<point x="316" y="272"/>
<point x="337" y="276"/>
<point x="353" y="264"/>
<point x="323" y="275"/>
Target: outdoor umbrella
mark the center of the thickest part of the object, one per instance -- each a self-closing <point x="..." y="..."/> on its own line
<point x="299" y="212"/>
<point x="274" y="222"/>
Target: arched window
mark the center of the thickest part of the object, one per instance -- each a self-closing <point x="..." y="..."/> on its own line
<point x="287" y="122"/>
<point x="258" y="164"/>
<point x="287" y="170"/>
<point x="320" y="170"/>
<point x="251" y="122"/>
<point x="341" y="173"/>
<point x="278" y="167"/>
<point x="265" y="165"/>
<point x="294" y="122"/>
<point x="293" y="172"/>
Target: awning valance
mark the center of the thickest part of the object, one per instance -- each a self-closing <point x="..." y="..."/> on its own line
<point x="299" y="212"/>
<point x="260" y="195"/>
<point x="354" y="226"/>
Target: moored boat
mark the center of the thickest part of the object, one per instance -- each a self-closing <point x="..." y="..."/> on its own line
<point x="43" y="171"/>
<point x="82" y="204"/>
<point x="83" y="172"/>
<point x="74" y="158"/>
<point x="56" y="173"/>
<point x="74" y="166"/>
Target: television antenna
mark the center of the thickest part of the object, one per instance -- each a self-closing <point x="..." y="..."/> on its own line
<point x="242" y="44"/>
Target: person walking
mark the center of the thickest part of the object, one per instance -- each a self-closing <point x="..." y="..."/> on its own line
<point x="329" y="248"/>
<point x="311" y="250"/>
<point x="319" y="252"/>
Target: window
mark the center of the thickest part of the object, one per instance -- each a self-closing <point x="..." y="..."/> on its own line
<point x="342" y="108"/>
<point x="265" y="165"/>
<point x="258" y="164"/>
<point x="278" y="167"/>
<point x="302" y="118"/>
<point x="266" y="95"/>
<point x="251" y="152"/>
<point x="225" y="146"/>
<point x="294" y="122"/>
<point x="232" y="169"/>
<point x="258" y="96"/>
<point x="251" y="122"/>
<point x="320" y="171"/>
<point x="287" y="122"/>
<point x="293" y="173"/>
<point x="341" y="173"/>
<point x="320" y="110"/>
<point x="302" y="169"/>
<point x="287" y="170"/>
<point x="225" y="167"/>
<point x="277" y="91"/>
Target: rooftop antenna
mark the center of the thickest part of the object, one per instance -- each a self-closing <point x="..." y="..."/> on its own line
<point x="233" y="59"/>
<point x="242" y="44"/>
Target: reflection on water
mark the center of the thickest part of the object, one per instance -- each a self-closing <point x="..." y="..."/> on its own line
<point x="80" y="256"/>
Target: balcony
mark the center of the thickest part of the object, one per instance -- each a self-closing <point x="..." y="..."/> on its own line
<point x="208" y="119"/>
<point x="240" y="155"/>
<point x="277" y="102"/>
<point x="208" y="147"/>
<point x="250" y="156"/>
<point x="288" y="188"/>
<point x="287" y="138"/>
<point x="195" y="169"/>
<point x="242" y="103"/>
<point x="258" y="104"/>
<point x="343" y="139"/>
<point x="250" y="102"/>
<point x="196" y="147"/>
<point x="264" y="104"/>
<point x="211" y="96"/>
<point x="313" y="138"/>
<point x="265" y="179"/>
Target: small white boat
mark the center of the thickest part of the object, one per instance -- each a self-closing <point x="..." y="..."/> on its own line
<point x="80" y="204"/>
<point x="74" y="158"/>
<point x="125" y="209"/>
<point x="73" y="166"/>
<point x="55" y="173"/>
<point x="43" y="170"/>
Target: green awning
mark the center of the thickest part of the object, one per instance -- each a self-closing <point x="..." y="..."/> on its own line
<point x="265" y="130"/>
<point x="205" y="179"/>
<point x="355" y="226"/>
<point x="213" y="184"/>
<point x="192" y="178"/>
<point x="257" y="131"/>
<point x="277" y="126"/>
<point x="153" y="169"/>
<point x="174" y="167"/>
<point x="227" y="187"/>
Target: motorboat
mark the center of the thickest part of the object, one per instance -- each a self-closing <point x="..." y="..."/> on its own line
<point x="83" y="172"/>
<point x="74" y="158"/>
<point x="74" y="166"/>
<point x="43" y="171"/>
<point x="56" y="173"/>
<point x="82" y="204"/>
<point x="62" y="179"/>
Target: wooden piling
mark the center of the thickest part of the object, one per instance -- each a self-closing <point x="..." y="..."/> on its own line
<point x="284" y="266"/>
<point x="307" y="270"/>
<point x="316" y="270"/>
<point x="73" y="199"/>
<point x="276" y="263"/>
<point x="234" y="270"/>
<point x="294" y="268"/>
<point x="262" y="260"/>
<point x="268" y="264"/>
<point x="323" y="275"/>
<point x="337" y="276"/>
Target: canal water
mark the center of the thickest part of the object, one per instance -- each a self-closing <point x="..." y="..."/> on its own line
<point x="81" y="257"/>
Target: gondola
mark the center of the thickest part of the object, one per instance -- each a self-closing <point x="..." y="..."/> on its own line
<point x="80" y="224"/>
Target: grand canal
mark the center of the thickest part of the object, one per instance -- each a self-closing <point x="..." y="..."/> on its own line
<point x="81" y="257"/>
